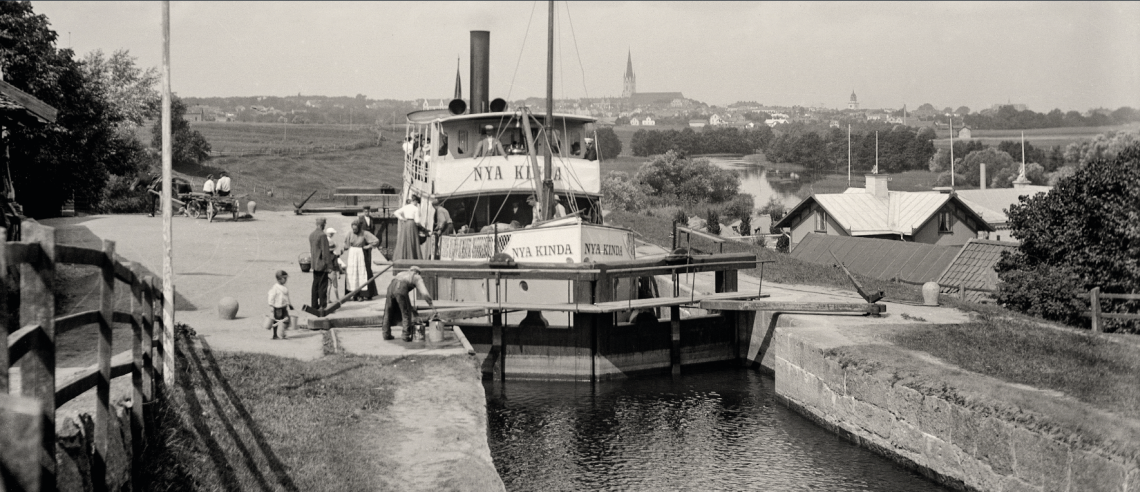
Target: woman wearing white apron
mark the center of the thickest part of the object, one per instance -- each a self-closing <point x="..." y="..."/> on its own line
<point x="356" y="274"/>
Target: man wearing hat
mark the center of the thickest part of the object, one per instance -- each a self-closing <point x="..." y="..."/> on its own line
<point x="591" y="151"/>
<point x="489" y="145"/>
<point x="368" y="224"/>
<point x="400" y="304"/>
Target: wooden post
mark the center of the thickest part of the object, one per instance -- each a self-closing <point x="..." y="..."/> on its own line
<point x="159" y="331"/>
<point x="147" y="286"/>
<point x="21" y="433"/>
<point x="674" y="237"/>
<point x="103" y="382"/>
<point x="675" y="348"/>
<point x="4" y="314"/>
<point x="139" y="398"/>
<point x="500" y="370"/>
<point x="725" y="280"/>
<point x="167" y="231"/>
<point x="37" y="307"/>
<point x="1094" y="306"/>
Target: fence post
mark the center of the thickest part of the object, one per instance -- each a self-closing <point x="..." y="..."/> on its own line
<point x="148" y="336"/>
<point x="4" y="314"/>
<point x="20" y="432"/>
<point x="103" y="382"/>
<point x="37" y="307"/>
<point x="158" y="343"/>
<point x="1094" y="301"/>
<point x="168" y="338"/>
<point x="138" y="399"/>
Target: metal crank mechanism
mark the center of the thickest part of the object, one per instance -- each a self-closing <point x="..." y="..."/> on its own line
<point x="322" y="312"/>
<point x="870" y="298"/>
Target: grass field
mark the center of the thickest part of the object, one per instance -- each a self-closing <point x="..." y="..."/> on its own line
<point x="236" y="137"/>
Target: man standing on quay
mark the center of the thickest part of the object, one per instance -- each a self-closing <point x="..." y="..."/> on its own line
<point x="320" y="257"/>
<point x="368" y="224"/>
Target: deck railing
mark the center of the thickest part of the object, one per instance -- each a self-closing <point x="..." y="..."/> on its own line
<point x="149" y="361"/>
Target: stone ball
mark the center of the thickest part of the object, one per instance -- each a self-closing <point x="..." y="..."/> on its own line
<point x="227" y="308"/>
<point x="930" y="293"/>
<point x="251" y="207"/>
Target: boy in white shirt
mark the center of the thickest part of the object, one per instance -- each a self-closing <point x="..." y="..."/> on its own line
<point x="279" y="303"/>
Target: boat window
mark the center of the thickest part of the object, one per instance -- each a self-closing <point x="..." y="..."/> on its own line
<point x="461" y="142"/>
<point x="576" y="147"/>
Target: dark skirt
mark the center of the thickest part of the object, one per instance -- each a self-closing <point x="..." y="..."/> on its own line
<point x="407" y="242"/>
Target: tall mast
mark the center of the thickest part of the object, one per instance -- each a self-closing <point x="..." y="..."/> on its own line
<point x="547" y="197"/>
<point x="951" y="151"/>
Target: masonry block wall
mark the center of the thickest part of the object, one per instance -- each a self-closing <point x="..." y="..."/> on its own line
<point x="963" y="447"/>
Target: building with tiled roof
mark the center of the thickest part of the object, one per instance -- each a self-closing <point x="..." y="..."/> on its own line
<point x="876" y="212"/>
<point x="974" y="268"/>
<point x="887" y="260"/>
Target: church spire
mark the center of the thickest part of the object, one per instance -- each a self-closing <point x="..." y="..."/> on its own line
<point x="629" y="64"/>
<point x="629" y="82"/>
<point x="458" y="85"/>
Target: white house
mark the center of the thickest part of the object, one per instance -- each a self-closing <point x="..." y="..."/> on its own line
<point x="715" y="120"/>
<point x="648" y="121"/>
<point x="633" y="122"/>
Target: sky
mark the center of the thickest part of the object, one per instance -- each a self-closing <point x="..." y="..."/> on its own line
<point x="1067" y="55"/>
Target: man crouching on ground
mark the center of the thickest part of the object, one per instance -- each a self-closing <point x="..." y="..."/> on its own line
<point x="399" y="304"/>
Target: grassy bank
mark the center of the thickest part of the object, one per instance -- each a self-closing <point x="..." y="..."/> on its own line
<point x="244" y="421"/>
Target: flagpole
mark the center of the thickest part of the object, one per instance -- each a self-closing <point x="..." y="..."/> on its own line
<point x="849" y="155"/>
<point x="951" y="151"/>
<point x="167" y="212"/>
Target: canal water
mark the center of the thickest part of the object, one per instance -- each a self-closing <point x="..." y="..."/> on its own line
<point x="763" y="180"/>
<point x="708" y="430"/>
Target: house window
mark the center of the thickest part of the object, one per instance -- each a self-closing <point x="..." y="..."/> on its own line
<point x="820" y="221"/>
<point x="945" y="222"/>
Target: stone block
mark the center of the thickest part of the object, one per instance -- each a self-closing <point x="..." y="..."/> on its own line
<point x="878" y="420"/>
<point x="1039" y="460"/>
<point x="1012" y="484"/>
<point x="964" y="429"/>
<point x="994" y="446"/>
<point x="908" y="437"/>
<point x="942" y="457"/>
<point x="907" y="404"/>
<point x="1091" y="471"/>
<point x="868" y="388"/>
<point x="978" y="476"/>
<point x="784" y="346"/>
<point x="832" y="374"/>
<point x="936" y="417"/>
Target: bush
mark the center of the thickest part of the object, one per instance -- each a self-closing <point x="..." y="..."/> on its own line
<point x="122" y="196"/>
<point x="691" y="181"/>
<point x="681" y="217"/>
<point x="621" y="192"/>
<point x="783" y="243"/>
<point x="608" y="144"/>
<point x="776" y="210"/>
<point x="712" y="221"/>
<point x="1046" y="292"/>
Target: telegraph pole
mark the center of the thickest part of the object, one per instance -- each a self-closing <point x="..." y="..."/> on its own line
<point x="167" y="211"/>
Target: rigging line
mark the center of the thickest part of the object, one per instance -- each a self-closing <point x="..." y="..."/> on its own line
<point x="574" y="36"/>
<point x="561" y="73"/>
<point x="521" y="49"/>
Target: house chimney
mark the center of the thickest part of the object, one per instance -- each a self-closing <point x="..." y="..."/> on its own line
<point x="983" y="178"/>
<point x="877" y="185"/>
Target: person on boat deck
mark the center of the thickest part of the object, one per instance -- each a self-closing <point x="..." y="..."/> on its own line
<point x="356" y="271"/>
<point x="407" y="232"/>
<point x="516" y="148"/>
<point x="427" y="149"/>
<point x="208" y="186"/>
<point x="489" y="145"/>
<point x="408" y="148"/>
<point x="400" y="304"/>
<point x="559" y="208"/>
<point x="536" y="211"/>
<point x="443" y="145"/>
<point x="591" y="151"/>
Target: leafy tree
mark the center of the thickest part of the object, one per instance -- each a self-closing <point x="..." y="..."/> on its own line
<point x="746" y="225"/>
<point x="712" y="221"/>
<point x="622" y="192"/>
<point x="776" y="210"/>
<point x="691" y="181"/>
<point x="962" y="110"/>
<point x="187" y="145"/>
<point x="1087" y="227"/>
<point x="130" y="91"/>
<point x="995" y="160"/>
<point x="609" y="145"/>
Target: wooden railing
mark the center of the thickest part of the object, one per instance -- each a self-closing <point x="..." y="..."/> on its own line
<point x="1094" y="296"/>
<point x="149" y="361"/>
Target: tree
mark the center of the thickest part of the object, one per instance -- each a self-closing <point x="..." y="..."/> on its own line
<point x="692" y="181"/>
<point x="776" y="211"/>
<point x="1087" y="226"/>
<point x="962" y="111"/>
<point x="995" y="160"/>
<point x="712" y="221"/>
<point x="609" y="145"/>
<point x="131" y="92"/>
<point x="187" y="145"/>
<point x="622" y="192"/>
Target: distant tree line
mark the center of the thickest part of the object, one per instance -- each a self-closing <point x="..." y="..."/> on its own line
<point x="710" y="140"/>
<point x="900" y="148"/>
<point x="1009" y="118"/>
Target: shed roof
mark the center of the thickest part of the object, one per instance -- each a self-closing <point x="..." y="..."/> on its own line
<point x="863" y="214"/>
<point x="878" y="258"/>
<point x="993" y="203"/>
<point x="974" y="267"/>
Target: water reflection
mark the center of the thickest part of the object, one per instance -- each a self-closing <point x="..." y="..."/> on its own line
<point x="710" y="430"/>
<point x="789" y="183"/>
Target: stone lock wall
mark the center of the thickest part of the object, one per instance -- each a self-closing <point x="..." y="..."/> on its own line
<point x="963" y="447"/>
<point x="75" y="445"/>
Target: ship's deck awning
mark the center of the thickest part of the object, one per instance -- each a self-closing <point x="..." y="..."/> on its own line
<point x="427" y="116"/>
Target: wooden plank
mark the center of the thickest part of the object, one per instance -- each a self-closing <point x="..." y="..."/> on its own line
<point x="21" y="341"/>
<point x="147" y="336"/>
<point x="675" y="347"/>
<point x="37" y="307"/>
<point x="80" y="256"/>
<point x="123" y="272"/>
<point x="5" y="317"/>
<point x="157" y="331"/>
<point x="463" y="339"/>
<point x="598" y="308"/>
<point x="82" y="381"/>
<point x="70" y="322"/>
<point x="710" y="237"/>
<point x="1131" y="297"/>
<point x="20" y="432"/>
<point x="790" y="307"/>
<point x="499" y="371"/>
<point x="102" y="430"/>
<point x="123" y="318"/>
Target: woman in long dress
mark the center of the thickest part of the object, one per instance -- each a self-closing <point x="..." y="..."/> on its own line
<point x="407" y="233"/>
<point x="355" y="272"/>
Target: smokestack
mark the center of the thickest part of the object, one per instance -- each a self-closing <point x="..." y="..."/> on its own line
<point x="982" y="168"/>
<point x="480" y="70"/>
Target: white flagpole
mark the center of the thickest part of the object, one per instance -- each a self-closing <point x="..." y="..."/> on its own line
<point x="951" y="151"/>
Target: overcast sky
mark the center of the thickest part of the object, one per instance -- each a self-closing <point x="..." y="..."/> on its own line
<point x="1076" y="55"/>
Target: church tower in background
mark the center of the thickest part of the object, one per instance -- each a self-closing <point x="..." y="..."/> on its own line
<point x="629" y="86"/>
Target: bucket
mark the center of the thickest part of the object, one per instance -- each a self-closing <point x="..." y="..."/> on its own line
<point x="435" y="331"/>
<point x="418" y="332"/>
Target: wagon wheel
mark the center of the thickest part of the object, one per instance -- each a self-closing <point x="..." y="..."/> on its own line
<point x="211" y="211"/>
<point x="194" y="209"/>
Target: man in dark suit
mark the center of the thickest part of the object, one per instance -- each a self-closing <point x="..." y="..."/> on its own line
<point x="368" y="223"/>
<point x="321" y="258"/>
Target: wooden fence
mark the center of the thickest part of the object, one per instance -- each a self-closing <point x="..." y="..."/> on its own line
<point x="149" y="361"/>
<point x="1094" y="296"/>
